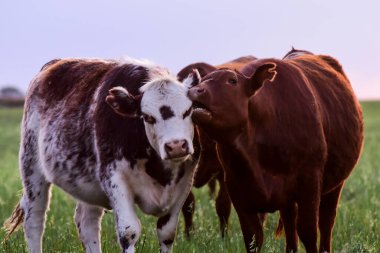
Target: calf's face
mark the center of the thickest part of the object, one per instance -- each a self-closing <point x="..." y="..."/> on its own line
<point x="166" y="111"/>
<point x="221" y="99"/>
<point x="167" y="116"/>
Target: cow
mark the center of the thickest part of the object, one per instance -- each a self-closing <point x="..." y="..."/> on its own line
<point x="288" y="136"/>
<point x="209" y="168"/>
<point x="111" y="134"/>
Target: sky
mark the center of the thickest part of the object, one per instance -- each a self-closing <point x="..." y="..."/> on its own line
<point x="176" y="33"/>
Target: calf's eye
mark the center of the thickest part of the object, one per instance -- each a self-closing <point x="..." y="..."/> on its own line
<point x="148" y="119"/>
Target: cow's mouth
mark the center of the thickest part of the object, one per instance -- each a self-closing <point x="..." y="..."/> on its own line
<point x="200" y="109"/>
<point x="178" y="159"/>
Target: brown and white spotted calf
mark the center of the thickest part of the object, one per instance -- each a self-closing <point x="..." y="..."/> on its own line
<point x="111" y="134"/>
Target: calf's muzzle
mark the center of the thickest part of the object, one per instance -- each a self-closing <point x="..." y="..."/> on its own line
<point x="176" y="148"/>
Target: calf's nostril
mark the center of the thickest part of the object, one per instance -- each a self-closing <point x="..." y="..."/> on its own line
<point x="185" y="145"/>
<point x="168" y="148"/>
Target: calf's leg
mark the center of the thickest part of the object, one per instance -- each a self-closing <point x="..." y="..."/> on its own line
<point x="127" y="223"/>
<point x="166" y="229"/>
<point x="36" y="194"/>
<point x="188" y="213"/>
<point x="35" y="202"/>
<point x="88" y="219"/>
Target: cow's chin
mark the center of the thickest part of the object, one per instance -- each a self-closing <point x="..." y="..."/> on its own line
<point x="201" y="115"/>
<point x="178" y="159"/>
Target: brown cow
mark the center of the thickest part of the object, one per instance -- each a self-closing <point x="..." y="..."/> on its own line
<point x="209" y="168"/>
<point x="288" y="137"/>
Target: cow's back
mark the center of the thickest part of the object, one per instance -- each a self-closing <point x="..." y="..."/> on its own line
<point x="238" y="63"/>
<point x="340" y="111"/>
<point x="72" y="81"/>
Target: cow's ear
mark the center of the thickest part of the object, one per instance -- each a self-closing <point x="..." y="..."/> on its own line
<point x="203" y="70"/>
<point x="123" y="103"/>
<point x="263" y="73"/>
<point x="192" y="79"/>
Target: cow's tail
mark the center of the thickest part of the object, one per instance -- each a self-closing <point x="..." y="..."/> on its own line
<point x="279" y="229"/>
<point x="14" y="222"/>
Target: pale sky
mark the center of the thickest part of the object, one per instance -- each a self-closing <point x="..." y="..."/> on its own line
<point x="176" y="33"/>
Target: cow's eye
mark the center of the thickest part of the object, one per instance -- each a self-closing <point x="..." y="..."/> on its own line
<point x="232" y="81"/>
<point x="187" y="113"/>
<point x="148" y="119"/>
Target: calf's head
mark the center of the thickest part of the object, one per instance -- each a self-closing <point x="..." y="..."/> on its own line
<point x="220" y="100"/>
<point x="166" y="110"/>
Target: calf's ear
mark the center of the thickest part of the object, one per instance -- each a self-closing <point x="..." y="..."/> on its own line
<point x="203" y="70"/>
<point x="265" y="72"/>
<point x="123" y="103"/>
<point x="192" y="79"/>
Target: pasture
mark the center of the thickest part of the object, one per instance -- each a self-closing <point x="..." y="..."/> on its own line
<point x="357" y="226"/>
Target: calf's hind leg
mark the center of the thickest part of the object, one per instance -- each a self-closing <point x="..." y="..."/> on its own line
<point x="36" y="194"/>
<point x="88" y="218"/>
<point x="35" y="199"/>
<point x="327" y="213"/>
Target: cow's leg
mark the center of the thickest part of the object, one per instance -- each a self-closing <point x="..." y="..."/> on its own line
<point x="188" y="213"/>
<point x="36" y="195"/>
<point x="166" y="229"/>
<point x="88" y="219"/>
<point x="212" y="187"/>
<point x="252" y="230"/>
<point x="122" y="202"/>
<point x="327" y="213"/>
<point x="288" y="217"/>
<point x="35" y="202"/>
<point x="307" y="216"/>
<point x="223" y="207"/>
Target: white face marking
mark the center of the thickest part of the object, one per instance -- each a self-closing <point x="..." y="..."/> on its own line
<point x="173" y="95"/>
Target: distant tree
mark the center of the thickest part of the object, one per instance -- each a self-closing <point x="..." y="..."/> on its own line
<point x="11" y="96"/>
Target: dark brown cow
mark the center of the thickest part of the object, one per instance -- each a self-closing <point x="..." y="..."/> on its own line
<point x="288" y="137"/>
<point x="209" y="168"/>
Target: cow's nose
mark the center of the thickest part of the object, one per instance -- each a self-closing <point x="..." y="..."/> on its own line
<point x="176" y="148"/>
<point x="196" y="91"/>
<point x="200" y="90"/>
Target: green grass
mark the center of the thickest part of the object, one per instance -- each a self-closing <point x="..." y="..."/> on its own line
<point x="357" y="226"/>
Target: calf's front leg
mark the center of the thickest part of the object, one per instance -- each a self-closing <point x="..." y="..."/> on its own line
<point x="166" y="229"/>
<point x="122" y="202"/>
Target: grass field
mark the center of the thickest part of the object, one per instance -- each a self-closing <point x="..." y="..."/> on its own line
<point x="357" y="226"/>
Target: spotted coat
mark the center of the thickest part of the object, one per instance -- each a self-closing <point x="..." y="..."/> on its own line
<point x="111" y="134"/>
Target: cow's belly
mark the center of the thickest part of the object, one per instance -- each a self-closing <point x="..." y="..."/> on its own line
<point x="71" y="169"/>
<point x="88" y="192"/>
